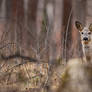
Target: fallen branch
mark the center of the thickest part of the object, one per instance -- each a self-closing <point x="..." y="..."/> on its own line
<point x="18" y="56"/>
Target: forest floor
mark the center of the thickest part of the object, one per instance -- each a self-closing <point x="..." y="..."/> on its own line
<point x="28" y="77"/>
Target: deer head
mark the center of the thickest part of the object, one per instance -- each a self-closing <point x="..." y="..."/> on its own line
<point x="85" y="32"/>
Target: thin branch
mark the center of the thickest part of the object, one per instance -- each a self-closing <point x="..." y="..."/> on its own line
<point x="6" y="45"/>
<point x="67" y="34"/>
<point x="5" y="34"/>
<point x="17" y="65"/>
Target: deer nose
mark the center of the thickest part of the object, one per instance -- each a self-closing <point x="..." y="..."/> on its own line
<point x="85" y="39"/>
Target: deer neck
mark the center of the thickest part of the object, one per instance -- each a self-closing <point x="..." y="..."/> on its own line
<point x="87" y="51"/>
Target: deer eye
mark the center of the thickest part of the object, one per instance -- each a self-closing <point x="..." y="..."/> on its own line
<point x="82" y="33"/>
<point x="89" y="32"/>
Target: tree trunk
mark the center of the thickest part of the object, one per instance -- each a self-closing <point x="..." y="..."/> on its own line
<point x="55" y="41"/>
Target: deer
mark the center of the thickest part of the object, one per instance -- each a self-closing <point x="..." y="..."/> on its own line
<point x="86" y="40"/>
<point x="77" y="77"/>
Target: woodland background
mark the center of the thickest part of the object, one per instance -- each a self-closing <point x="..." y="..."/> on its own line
<point x="37" y="38"/>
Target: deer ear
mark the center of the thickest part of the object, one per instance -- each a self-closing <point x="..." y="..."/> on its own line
<point x="90" y="27"/>
<point x="78" y="25"/>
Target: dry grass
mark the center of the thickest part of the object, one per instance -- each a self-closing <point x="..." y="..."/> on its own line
<point x="29" y="77"/>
